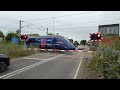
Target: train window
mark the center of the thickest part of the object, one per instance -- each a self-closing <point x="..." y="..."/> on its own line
<point x="32" y="40"/>
<point x="58" y="41"/>
<point x="39" y="40"/>
<point x="69" y="43"/>
<point x="67" y="39"/>
<point x="49" y="40"/>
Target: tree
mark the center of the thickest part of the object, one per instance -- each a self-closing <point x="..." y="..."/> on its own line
<point x="1" y="34"/>
<point x="76" y="43"/>
<point x="83" y="42"/>
<point x="50" y="34"/>
<point x="18" y="31"/>
<point x="35" y="34"/>
<point x="10" y="35"/>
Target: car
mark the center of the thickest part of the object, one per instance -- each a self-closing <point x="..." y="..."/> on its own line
<point x="4" y="62"/>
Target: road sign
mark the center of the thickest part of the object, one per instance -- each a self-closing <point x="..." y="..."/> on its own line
<point x="14" y="40"/>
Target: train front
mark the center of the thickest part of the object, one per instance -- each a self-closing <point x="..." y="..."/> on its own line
<point x="68" y="45"/>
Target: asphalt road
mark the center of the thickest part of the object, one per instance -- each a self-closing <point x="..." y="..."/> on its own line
<point x="45" y="66"/>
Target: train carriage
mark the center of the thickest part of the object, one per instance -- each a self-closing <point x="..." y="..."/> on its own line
<point x="51" y="42"/>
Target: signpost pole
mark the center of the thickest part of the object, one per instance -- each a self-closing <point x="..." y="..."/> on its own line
<point x="25" y="43"/>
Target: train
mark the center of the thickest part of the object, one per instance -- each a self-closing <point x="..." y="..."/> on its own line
<point x="51" y="42"/>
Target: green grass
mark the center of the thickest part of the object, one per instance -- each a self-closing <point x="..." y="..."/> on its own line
<point x="14" y="50"/>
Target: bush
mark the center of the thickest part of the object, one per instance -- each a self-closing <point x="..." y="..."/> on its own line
<point x="107" y="66"/>
<point x="107" y="62"/>
<point x="14" y="50"/>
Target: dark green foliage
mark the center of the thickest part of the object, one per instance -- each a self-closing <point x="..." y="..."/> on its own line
<point x="83" y="42"/>
<point x="33" y="34"/>
<point x="50" y="34"/>
<point x="107" y="64"/>
<point x="1" y="34"/>
<point x="10" y="35"/>
<point x="76" y="43"/>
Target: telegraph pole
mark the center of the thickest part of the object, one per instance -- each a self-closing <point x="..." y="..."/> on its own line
<point x="20" y="26"/>
<point x="53" y="24"/>
<point x="47" y="31"/>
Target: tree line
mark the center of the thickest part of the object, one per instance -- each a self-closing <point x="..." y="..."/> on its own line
<point x="10" y="35"/>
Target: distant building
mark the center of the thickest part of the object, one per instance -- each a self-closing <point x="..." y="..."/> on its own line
<point x="109" y="29"/>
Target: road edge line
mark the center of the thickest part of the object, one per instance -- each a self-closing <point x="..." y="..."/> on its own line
<point x="75" y="76"/>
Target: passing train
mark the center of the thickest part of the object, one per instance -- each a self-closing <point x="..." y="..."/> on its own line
<point x="51" y="42"/>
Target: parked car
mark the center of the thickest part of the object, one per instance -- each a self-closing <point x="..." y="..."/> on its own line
<point x="4" y="62"/>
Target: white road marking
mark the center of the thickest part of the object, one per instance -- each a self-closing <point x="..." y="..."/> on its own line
<point x="27" y="68"/>
<point x="28" y="56"/>
<point x="75" y="76"/>
<point x="32" y="58"/>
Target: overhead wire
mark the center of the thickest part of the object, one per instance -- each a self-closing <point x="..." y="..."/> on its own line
<point x="63" y="22"/>
<point x="37" y="27"/>
<point x="75" y="23"/>
<point x="62" y="16"/>
<point x="86" y="22"/>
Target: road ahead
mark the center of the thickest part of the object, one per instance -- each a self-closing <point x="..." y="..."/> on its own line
<point x="45" y="66"/>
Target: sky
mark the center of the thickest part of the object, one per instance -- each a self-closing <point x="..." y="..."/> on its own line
<point x="76" y="25"/>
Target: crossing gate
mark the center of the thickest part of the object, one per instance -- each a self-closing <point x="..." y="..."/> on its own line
<point x="58" y="51"/>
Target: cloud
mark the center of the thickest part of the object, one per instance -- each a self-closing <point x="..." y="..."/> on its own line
<point x="73" y="26"/>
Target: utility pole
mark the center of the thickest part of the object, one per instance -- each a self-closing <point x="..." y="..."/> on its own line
<point x="53" y="24"/>
<point x="47" y="31"/>
<point x="20" y="26"/>
<point x="20" y="33"/>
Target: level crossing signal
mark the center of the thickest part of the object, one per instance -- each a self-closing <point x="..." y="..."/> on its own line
<point x="24" y="37"/>
<point x="96" y="36"/>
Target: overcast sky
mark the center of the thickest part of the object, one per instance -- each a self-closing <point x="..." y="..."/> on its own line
<point x="72" y="24"/>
